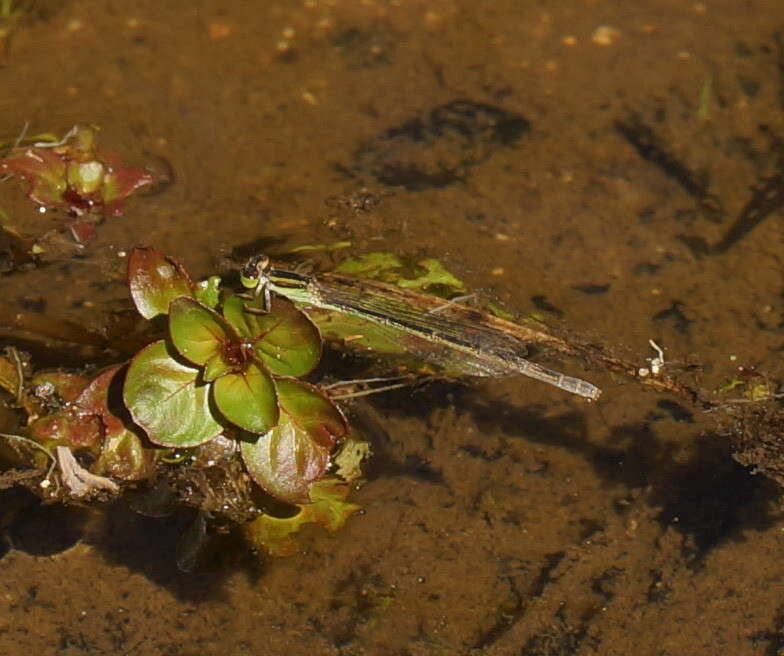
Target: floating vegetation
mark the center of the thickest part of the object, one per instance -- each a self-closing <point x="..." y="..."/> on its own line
<point x="72" y="174"/>
<point x="68" y="174"/>
<point x="427" y="275"/>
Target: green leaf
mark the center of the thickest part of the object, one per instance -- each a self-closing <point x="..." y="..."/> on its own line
<point x="216" y="367"/>
<point x="311" y="412"/>
<point x="498" y="311"/>
<point x="247" y="399"/>
<point x="285" y="339"/>
<point x="155" y="280"/>
<point x="81" y="139"/>
<point x="245" y="323"/>
<point x="285" y="461"/>
<point x="197" y="332"/>
<point x="312" y="248"/>
<point x="165" y="398"/>
<point x="123" y="456"/>
<point x="433" y="274"/>
<point x="85" y="177"/>
<point x="427" y="274"/>
<point x="329" y="506"/>
<point x="329" y="509"/>
<point x="353" y="452"/>
<point x="370" y="265"/>
<point x="208" y="291"/>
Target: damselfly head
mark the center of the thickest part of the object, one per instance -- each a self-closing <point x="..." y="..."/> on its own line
<point x="254" y="271"/>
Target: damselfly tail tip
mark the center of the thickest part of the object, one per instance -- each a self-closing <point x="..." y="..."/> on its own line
<point x="589" y="391"/>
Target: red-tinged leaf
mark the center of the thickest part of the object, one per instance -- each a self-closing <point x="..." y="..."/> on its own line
<point x="74" y="174"/>
<point x="155" y="280"/>
<point x="68" y="427"/>
<point x="122" y="453"/>
<point x="43" y="171"/>
<point x="285" y="339"/>
<point x="67" y="386"/>
<point x="312" y="412"/>
<point x="198" y="332"/>
<point x="166" y="399"/>
<point x="294" y="454"/>
<point x="329" y="508"/>
<point x="82" y="231"/>
<point x="94" y="400"/>
<point x="248" y="399"/>
<point x="120" y="183"/>
<point x="88" y="420"/>
<point x="285" y="461"/>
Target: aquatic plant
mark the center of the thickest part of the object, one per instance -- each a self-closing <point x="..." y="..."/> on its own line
<point x="72" y="174"/>
<point x="225" y="367"/>
<point x="225" y="378"/>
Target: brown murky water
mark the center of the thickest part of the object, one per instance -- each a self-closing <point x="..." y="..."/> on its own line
<point x="579" y="158"/>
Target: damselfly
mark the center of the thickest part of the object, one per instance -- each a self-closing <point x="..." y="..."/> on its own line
<point x="468" y="340"/>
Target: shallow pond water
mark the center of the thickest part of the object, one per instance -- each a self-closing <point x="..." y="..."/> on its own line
<point x="585" y="160"/>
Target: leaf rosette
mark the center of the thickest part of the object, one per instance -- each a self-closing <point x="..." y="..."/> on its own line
<point x="231" y="364"/>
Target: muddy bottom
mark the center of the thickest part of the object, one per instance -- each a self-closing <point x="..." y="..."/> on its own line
<point x="616" y="170"/>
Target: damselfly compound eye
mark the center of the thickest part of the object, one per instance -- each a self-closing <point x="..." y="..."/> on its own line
<point x="254" y="268"/>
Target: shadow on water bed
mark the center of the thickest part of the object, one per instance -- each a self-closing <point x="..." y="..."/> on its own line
<point x="708" y="498"/>
<point x="156" y="548"/>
